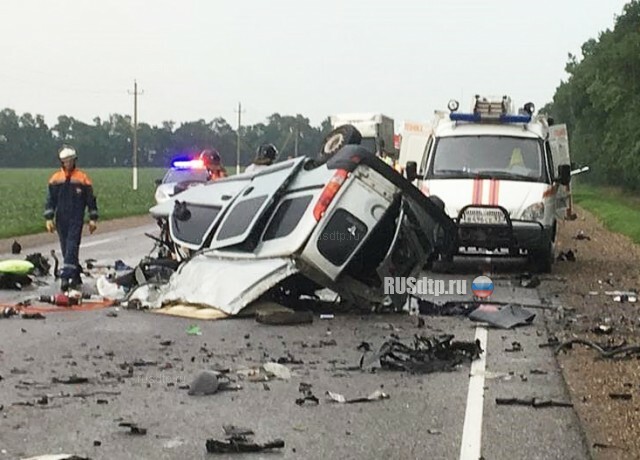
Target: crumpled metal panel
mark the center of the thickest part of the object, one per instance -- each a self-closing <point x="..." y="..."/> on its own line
<point x="226" y="284"/>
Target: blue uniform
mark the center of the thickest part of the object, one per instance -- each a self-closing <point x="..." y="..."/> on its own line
<point x="68" y="196"/>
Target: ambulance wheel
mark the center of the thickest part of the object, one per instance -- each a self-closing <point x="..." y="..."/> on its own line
<point x="335" y="140"/>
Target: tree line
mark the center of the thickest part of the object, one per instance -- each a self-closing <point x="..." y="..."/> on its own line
<point x="600" y="103"/>
<point x="27" y="141"/>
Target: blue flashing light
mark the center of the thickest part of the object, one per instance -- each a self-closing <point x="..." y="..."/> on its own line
<point x="515" y="118"/>
<point x="473" y="117"/>
<point x="187" y="164"/>
<point x="477" y="118"/>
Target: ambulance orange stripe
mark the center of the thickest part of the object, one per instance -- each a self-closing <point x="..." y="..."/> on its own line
<point x="477" y="191"/>
<point x="494" y="190"/>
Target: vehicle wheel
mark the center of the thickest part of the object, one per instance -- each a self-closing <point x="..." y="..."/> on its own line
<point x="542" y="261"/>
<point x="336" y="139"/>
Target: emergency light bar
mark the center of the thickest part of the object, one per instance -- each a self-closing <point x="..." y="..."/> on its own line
<point x="478" y="118"/>
<point x="188" y="164"/>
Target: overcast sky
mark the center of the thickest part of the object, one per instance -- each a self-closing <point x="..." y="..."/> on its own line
<point x="198" y="59"/>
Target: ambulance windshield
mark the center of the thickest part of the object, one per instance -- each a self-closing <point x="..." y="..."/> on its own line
<point x="492" y="157"/>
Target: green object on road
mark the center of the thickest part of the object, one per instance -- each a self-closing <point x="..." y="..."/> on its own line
<point x="16" y="267"/>
<point x="194" y="330"/>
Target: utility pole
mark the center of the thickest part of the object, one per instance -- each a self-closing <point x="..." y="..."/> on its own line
<point x="135" y="134"/>
<point x="238" y="138"/>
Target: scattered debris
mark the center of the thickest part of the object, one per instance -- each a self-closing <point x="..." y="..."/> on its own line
<point x="57" y="457"/>
<point x="237" y="441"/>
<point x="605" y="351"/>
<point x="205" y="383"/>
<point x="364" y="346"/>
<point x="32" y="316"/>
<point x="537" y="372"/>
<point x="515" y="347"/>
<point x="569" y="256"/>
<point x="73" y="380"/>
<point x="434" y="432"/>
<point x="8" y="312"/>
<point x="277" y="371"/>
<point x="308" y="398"/>
<point x="623" y="396"/>
<point x="284" y="318"/>
<point x="533" y="402"/>
<point x="166" y="343"/>
<point x="41" y="265"/>
<point x="133" y="428"/>
<point x="581" y="235"/>
<point x="601" y="445"/>
<point x="327" y="316"/>
<point x="112" y="314"/>
<point x="505" y="317"/>
<point x="602" y="329"/>
<point x="16" y="248"/>
<point x="529" y="281"/>
<point x="194" y="329"/>
<point x="375" y="396"/>
<point x="429" y="354"/>
<point x="626" y="298"/>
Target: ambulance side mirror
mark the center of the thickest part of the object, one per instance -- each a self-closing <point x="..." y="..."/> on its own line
<point x="157" y="181"/>
<point x="411" y="170"/>
<point x="564" y="174"/>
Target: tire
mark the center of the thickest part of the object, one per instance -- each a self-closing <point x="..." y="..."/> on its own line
<point x="335" y="140"/>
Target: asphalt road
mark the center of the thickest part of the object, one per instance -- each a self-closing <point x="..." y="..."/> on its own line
<point x="435" y="416"/>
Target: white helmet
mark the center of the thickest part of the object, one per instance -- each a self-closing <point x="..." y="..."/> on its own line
<point x="67" y="153"/>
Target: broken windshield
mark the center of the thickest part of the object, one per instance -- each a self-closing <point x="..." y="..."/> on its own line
<point x="498" y="157"/>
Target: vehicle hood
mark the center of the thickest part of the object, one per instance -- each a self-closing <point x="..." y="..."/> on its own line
<point x="514" y="196"/>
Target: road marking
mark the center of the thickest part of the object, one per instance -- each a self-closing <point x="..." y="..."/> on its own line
<point x="472" y="430"/>
<point x="97" y="243"/>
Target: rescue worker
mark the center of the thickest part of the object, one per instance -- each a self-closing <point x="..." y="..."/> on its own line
<point x="70" y="192"/>
<point x="266" y="155"/>
<point x="213" y="162"/>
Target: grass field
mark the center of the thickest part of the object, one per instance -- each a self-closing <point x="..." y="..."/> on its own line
<point x="23" y="193"/>
<point x="619" y="211"/>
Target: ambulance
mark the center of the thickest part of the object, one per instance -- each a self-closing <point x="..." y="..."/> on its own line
<point x="503" y="177"/>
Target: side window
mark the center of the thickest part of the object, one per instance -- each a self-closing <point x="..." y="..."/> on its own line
<point x="425" y="157"/>
<point x="287" y="216"/>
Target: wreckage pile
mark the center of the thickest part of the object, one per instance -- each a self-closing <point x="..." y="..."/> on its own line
<point x="428" y="354"/>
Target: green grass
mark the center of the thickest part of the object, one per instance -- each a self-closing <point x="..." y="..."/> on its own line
<point x="23" y="193"/>
<point x="618" y="210"/>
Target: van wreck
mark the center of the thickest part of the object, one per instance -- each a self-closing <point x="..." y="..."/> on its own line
<point x="343" y="222"/>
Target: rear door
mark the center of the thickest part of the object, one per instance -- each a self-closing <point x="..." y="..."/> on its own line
<point x="254" y="203"/>
<point x="559" y="144"/>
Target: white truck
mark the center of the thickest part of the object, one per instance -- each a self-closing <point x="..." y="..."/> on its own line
<point x="377" y="130"/>
<point x="503" y="176"/>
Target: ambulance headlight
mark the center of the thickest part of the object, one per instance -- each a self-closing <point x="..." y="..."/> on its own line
<point x="534" y="212"/>
<point x="453" y="105"/>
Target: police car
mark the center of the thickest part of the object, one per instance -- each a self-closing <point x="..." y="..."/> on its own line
<point x="184" y="173"/>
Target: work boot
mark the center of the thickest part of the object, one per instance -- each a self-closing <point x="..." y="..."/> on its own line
<point x="65" y="284"/>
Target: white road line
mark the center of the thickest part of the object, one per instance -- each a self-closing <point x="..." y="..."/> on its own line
<point x="96" y="243"/>
<point x="472" y="430"/>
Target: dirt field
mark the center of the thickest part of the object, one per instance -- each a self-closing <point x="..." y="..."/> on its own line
<point x="606" y="262"/>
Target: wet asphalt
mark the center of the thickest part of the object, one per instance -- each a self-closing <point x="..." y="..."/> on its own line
<point x="134" y="375"/>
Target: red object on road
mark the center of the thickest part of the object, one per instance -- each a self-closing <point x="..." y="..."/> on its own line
<point x="61" y="300"/>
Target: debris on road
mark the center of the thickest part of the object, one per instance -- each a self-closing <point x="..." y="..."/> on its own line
<point x="32" y="316"/>
<point x="614" y="352"/>
<point x="375" y="396"/>
<point x="277" y="371"/>
<point x="529" y="281"/>
<point x="72" y="380"/>
<point x="622" y="396"/>
<point x="533" y="402"/>
<point x="602" y="329"/>
<point x="625" y="298"/>
<point x="134" y="429"/>
<point x="237" y="441"/>
<point x="505" y="317"/>
<point x="285" y="318"/>
<point x="515" y="347"/>
<point x="8" y="312"/>
<point x="57" y="457"/>
<point x="194" y="330"/>
<point x="428" y="354"/>
<point x="211" y="382"/>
